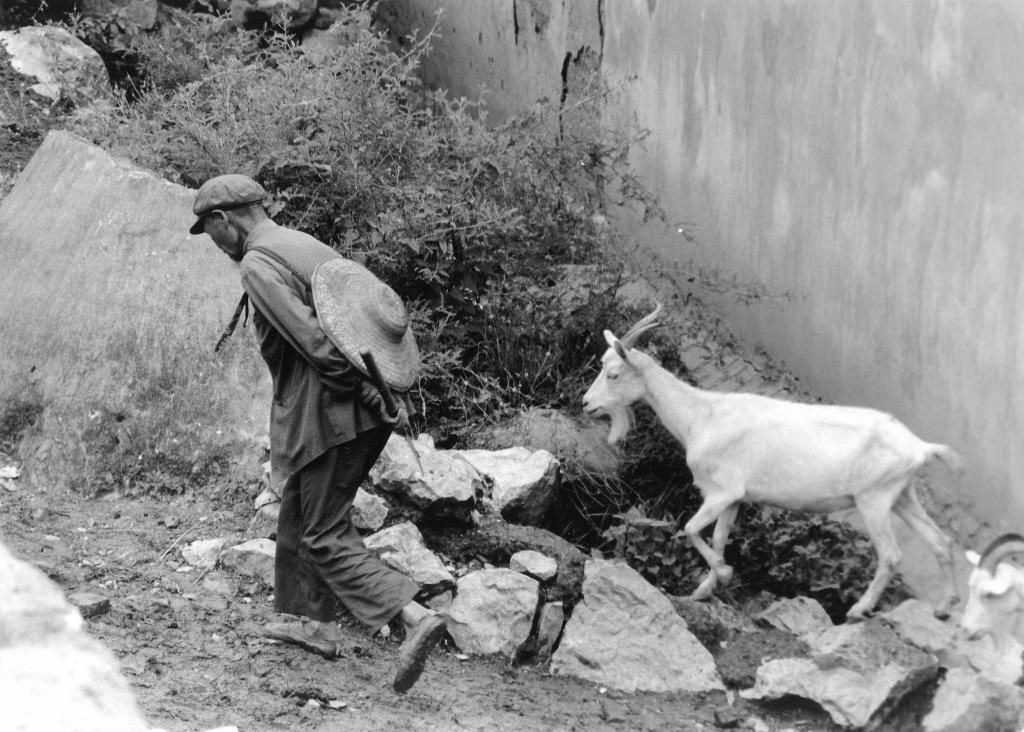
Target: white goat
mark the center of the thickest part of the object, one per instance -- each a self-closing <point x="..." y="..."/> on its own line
<point x="755" y="449"/>
<point x="995" y="590"/>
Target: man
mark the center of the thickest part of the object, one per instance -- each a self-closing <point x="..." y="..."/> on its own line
<point x="328" y="424"/>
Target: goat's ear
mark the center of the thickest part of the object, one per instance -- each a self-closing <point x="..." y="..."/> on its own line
<point x="972" y="557"/>
<point x="621" y="350"/>
<point x="610" y="339"/>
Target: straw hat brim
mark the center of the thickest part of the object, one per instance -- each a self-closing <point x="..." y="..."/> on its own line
<point x="346" y="295"/>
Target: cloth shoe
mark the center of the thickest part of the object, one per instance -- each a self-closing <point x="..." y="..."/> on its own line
<point x="412" y="656"/>
<point x="304" y="634"/>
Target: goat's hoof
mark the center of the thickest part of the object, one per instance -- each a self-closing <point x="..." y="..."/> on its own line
<point x="856" y="615"/>
<point x="943" y="611"/>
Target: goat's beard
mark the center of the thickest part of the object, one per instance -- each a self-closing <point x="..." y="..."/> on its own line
<point x="622" y="420"/>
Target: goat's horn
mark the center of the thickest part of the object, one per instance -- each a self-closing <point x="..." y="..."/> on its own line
<point x="641" y="326"/>
<point x="1000" y="548"/>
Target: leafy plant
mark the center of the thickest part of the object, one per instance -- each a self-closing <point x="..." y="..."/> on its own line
<point x="656" y="548"/>
<point x="781" y="552"/>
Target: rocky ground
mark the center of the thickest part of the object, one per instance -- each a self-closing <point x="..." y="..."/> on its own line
<point x="189" y="642"/>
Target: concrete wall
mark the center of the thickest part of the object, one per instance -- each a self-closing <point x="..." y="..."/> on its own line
<point x="865" y="158"/>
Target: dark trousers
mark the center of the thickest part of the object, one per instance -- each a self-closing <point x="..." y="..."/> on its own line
<point x="321" y="558"/>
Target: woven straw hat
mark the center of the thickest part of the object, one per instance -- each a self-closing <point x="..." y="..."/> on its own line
<point x="359" y="312"/>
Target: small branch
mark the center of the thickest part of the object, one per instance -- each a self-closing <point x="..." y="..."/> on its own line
<point x="180" y="537"/>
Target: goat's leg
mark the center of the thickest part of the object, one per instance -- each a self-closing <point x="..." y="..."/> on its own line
<point x="719" y="539"/>
<point x="714" y="508"/>
<point x="908" y="507"/>
<point x="877" y="513"/>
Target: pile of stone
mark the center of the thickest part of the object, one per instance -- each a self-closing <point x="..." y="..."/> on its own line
<point x="601" y="621"/>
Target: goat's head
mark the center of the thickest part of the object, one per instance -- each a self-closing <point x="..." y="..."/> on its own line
<point x="995" y="589"/>
<point x="620" y="382"/>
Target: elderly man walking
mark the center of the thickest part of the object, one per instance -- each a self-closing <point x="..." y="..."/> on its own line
<point x="328" y="422"/>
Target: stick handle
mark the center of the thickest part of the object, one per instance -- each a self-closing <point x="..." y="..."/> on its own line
<point x="378" y="380"/>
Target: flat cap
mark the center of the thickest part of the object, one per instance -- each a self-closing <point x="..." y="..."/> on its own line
<point x="225" y="192"/>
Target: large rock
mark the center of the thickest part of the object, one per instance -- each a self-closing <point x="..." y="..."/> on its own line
<point x="968" y="702"/>
<point x="581" y="444"/>
<point x="369" y="511"/>
<point x="64" y="67"/>
<point x="253" y="558"/>
<point x="446" y="486"/>
<point x="52" y="675"/>
<point x="627" y="635"/>
<point x="104" y="294"/>
<point x="523" y="482"/>
<point x="915" y="623"/>
<point x="493" y="612"/>
<point x="853" y="672"/>
<point x="401" y="547"/>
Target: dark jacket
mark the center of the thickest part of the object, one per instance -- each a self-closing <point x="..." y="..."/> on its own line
<point x="316" y="390"/>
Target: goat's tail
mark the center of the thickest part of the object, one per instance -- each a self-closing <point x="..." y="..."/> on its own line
<point x="953" y="460"/>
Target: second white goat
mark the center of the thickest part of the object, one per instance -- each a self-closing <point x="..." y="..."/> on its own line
<point x="747" y="448"/>
<point x="995" y="590"/>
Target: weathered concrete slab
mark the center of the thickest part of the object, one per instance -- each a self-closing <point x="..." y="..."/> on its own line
<point x="103" y="292"/>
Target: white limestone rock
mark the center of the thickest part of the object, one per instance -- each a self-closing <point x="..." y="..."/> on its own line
<point x="626" y="634"/>
<point x="493" y="612"/>
<point x="402" y="548"/>
<point x="369" y="512"/>
<point x="999" y="661"/>
<point x="968" y="702"/>
<point x="253" y="558"/>
<point x="854" y="670"/>
<point x="64" y="67"/>
<point x="533" y="563"/>
<point x="523" y="482"/>
<point x="446" y="486"/>
<point x="203" y="553"/>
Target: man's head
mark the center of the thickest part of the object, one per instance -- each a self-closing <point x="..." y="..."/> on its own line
<point x="224" y="206"/>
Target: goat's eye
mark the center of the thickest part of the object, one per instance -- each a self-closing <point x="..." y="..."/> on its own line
<point x="612" y="375"/>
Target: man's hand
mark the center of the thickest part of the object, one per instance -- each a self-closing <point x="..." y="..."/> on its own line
<point x="371" y="396"/>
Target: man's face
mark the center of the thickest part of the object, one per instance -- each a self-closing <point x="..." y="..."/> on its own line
<point x="224" y="233"/>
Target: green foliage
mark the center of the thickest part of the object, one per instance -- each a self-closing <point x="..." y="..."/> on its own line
<point x="773" y="550"/>
<point x="656" y="549"/>
<point x="791" y="553"/>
